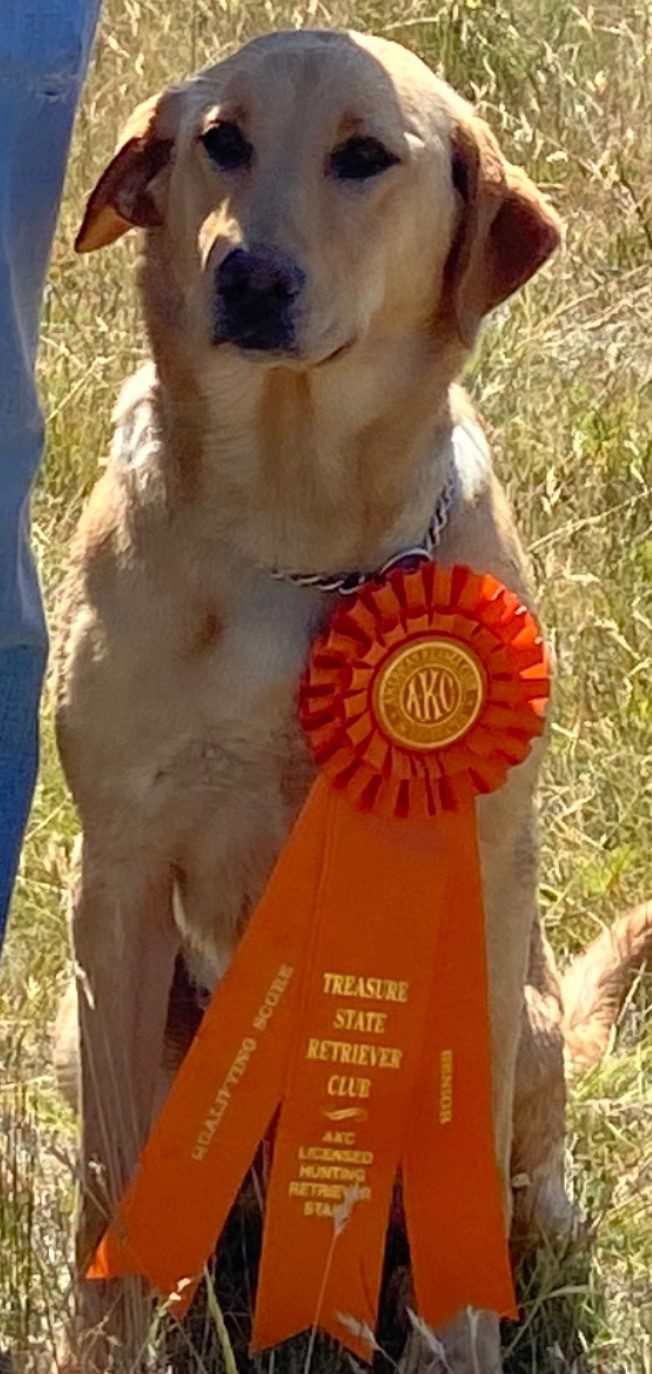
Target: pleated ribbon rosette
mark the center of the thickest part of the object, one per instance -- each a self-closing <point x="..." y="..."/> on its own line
<point x="354" y="1015"/>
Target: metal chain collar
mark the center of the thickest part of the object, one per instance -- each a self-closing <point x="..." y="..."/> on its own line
<point x="347" y="584"/>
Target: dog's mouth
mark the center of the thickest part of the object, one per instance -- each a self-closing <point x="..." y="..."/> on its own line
<point x="261" y="351"/>
<point x="269" y="333"/>
<point x="335" y="353"/>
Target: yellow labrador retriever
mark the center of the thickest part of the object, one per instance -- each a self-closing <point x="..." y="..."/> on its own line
<point x="326" y="225"/>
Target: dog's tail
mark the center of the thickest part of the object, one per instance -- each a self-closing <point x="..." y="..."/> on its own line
<point x="594" y="986"/>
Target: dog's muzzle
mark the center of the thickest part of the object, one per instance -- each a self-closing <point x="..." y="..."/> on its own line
<point x="256" y="292"/>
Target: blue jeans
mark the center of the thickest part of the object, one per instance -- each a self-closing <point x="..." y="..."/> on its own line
<point x="44" y="50"/>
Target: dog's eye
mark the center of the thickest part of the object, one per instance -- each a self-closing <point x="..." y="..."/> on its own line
<point x="360" y="158"/>
<point x="227" y="146"/>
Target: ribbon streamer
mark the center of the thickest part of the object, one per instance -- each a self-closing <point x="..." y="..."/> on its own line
<point x="357" y="1001"/>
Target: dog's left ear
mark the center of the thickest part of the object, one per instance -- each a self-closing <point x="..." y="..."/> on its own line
<point x="507" y="227"/>
<point x="125" y="194"/>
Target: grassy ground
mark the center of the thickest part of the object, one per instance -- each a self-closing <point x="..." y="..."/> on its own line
<point x="563" y="381"/>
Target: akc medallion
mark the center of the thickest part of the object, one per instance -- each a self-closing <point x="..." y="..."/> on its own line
<point x="429" y="693"/>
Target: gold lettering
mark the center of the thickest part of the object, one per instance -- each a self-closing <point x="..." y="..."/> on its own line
<point x="343" y="1086"/>
<point x="430" y="694"/>
<point x="371" y="989"/>
<point x="317" y="1049"/>
<point x="298" y="1189"/>
<point x="363" y="1056"/>
<point x="222" y="1098"/>
<point x="273" y="996"/>
<point x="327" y="1155"/>
<point x="333" y="1173"/>
<point x="339" y="1137"/>
<point x="321" y="1208"/>
<point x="446" y="1087"/>
<point x="351" y="1019"/>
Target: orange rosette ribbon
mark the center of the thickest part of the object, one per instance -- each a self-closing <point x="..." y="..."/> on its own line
<point x="354" y="1014"/>
<point x="425" y="691"/>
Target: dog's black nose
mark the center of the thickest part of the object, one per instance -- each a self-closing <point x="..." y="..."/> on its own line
<point x="256" y="289"/>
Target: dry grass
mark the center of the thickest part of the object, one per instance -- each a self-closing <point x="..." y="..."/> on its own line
<point x="563" y="381"/>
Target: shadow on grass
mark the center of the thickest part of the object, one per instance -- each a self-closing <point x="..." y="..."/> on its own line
<point x="561" y="1315"/>
<point x="562" y="1311"/>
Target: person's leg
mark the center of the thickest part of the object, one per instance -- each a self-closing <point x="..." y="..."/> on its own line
<point x="44" y="49"/>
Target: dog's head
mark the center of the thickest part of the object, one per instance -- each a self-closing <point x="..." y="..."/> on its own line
<point x="315" y="188"/>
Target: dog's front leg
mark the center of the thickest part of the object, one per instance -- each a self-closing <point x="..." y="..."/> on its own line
<point x="124" y="943"/>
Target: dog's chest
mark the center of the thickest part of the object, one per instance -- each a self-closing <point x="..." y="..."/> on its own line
<point x="240" y="740"/>
<point x="265" y="634"/>
<point x="241" y="774"/>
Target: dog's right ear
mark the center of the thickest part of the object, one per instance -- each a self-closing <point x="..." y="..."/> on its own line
<point x="125" y="194"/>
